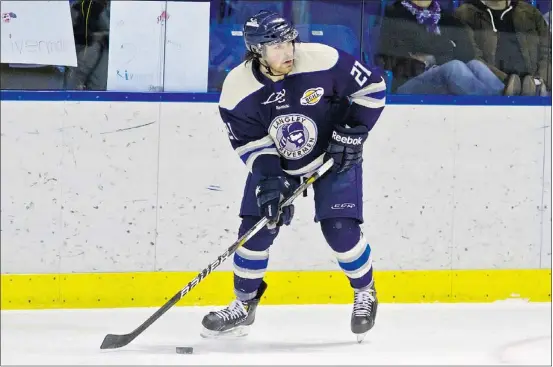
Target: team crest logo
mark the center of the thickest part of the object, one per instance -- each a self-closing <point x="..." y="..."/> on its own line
<point x="312" y="96"/>
<point x="295" y="135"/>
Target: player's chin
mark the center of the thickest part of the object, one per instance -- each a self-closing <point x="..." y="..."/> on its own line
<point x="287" y="66"/>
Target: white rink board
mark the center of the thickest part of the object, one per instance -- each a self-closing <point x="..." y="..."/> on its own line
<point x="86" y="186"/>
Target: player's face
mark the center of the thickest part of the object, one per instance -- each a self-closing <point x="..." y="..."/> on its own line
<point x="280" y="57"/>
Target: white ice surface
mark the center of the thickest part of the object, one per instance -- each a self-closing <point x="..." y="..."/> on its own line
<point x="497" y="333"/>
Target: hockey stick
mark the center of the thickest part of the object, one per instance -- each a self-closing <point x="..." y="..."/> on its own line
<point x="112" y="341"/>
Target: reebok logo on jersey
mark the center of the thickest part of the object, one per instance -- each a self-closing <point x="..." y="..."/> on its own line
<point x="346" y="140"/>
<point x="312" y="96"/>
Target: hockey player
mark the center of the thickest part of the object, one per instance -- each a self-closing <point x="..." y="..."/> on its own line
<point x="288" y="108"/>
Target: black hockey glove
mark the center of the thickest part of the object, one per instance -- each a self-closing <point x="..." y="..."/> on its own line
<point x="270" y="192"/>
<point x="346" y="147"/>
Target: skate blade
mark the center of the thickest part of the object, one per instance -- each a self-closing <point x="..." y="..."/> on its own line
<point x="361" y="337"/>
<point x="237" y="332"/>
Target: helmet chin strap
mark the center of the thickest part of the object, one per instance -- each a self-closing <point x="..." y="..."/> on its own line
<point x="268" y="69"/>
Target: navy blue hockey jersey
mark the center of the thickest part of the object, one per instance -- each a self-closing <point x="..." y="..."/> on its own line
<point x="286" y="125"/>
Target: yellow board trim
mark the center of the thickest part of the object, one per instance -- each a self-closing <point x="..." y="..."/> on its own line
<point x="152" y="289"/>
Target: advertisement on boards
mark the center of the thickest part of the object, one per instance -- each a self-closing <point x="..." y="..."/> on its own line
<point x="37" y="32"/>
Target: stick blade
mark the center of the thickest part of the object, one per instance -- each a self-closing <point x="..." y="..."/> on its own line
<point x="112" y="341"/>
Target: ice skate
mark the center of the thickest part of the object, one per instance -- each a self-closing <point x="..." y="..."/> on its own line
<point x="234" y="320"/>
<point x="364" y="311"/>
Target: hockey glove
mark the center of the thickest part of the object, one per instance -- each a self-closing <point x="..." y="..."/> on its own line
<point x="346" y="147"/>
<point x="270" y="192"/>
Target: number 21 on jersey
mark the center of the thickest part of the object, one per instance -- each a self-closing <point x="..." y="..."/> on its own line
<point x="360" y="73"/>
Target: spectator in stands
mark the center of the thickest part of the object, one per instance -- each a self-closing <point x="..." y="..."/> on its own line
<point x="91" y="31"/>
<point x="429" y="51"/>
<point x="513" y="38"/>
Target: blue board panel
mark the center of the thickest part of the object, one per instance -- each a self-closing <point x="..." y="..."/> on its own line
<point x="15" y="95"/>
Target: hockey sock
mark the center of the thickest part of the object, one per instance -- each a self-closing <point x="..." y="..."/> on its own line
<point x="251" y="260"/>
<point x="351" y="249"/>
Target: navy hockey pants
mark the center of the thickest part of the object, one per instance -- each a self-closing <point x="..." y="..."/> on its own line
<point x="338" y="209"/>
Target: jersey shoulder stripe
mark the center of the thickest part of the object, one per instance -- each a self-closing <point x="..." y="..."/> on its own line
<point x="314" y="57"/>
<point x="238" y="85"/>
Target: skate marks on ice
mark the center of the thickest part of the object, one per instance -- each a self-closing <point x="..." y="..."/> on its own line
<point x="506" y="333"/>
<point x="526" y="352"/>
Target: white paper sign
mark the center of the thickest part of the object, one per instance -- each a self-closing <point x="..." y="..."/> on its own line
<point x="37" y="32"/>
<point x="187" y="47"/>
<point x="136" y="45"/>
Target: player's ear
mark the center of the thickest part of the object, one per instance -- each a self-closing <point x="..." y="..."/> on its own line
<point x="263" y="50"/>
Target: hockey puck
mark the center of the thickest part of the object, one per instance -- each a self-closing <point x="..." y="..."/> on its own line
<point x="185" y="350"/>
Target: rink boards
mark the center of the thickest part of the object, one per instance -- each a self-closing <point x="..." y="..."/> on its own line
<point x="146" y="289"/>
<point x="108" y="204"/>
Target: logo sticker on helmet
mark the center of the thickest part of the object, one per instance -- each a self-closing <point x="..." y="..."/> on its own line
<point x="252" y="23"/>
